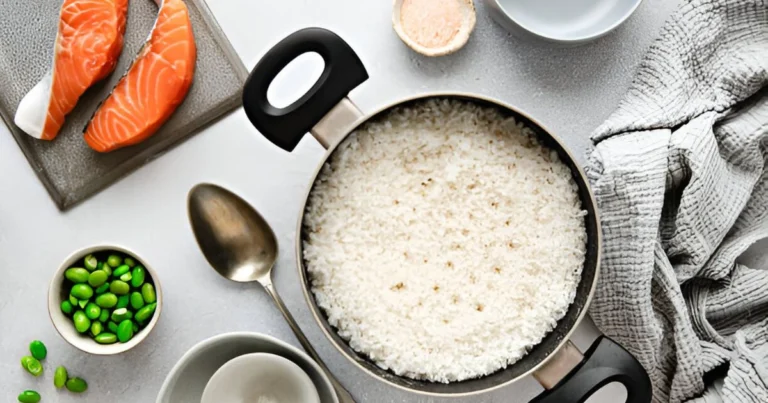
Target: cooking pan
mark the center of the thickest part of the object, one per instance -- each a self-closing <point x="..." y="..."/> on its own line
<point x="567" y="374"/>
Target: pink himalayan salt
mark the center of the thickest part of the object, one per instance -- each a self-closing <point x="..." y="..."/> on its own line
<point x="431" y="23"/>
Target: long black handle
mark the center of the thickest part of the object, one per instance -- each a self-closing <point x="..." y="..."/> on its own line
<point x="605" y="362"/>
<point x="286" y="126"/>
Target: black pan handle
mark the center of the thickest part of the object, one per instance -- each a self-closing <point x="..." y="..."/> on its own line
<point x="286" y="126"/>
<point x="605" y="362"/>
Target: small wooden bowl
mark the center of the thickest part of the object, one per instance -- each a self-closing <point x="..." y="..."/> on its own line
<point x="457" y="42"/>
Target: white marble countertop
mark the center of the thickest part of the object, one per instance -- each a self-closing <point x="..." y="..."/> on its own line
<point x="570" y="90"/>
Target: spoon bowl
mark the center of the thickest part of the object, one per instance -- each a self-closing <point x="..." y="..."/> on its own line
<point x="235" y="239"/>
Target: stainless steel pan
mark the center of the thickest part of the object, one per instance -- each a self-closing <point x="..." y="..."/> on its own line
<point x="567" y="374"/>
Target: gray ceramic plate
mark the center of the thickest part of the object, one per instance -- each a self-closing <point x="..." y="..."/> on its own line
<point x="68" y="168"/>
<point x="186" y="381"/>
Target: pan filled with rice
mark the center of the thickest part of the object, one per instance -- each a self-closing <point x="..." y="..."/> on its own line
<point x="449" y="244"/>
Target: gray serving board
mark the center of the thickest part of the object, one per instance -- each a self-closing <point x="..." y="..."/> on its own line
<point x="68" y="168"/>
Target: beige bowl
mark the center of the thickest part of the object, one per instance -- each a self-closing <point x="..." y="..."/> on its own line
<point x="468" y="18"/>
<point x="65" y="326"/>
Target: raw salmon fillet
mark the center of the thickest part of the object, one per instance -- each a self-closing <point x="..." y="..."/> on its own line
<point x="88" y="44"/>
<point x="154" y="86"/>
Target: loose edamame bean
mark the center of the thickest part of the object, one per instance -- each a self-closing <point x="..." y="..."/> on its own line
<point x="119" y="287"/>
<point x="112" y="326"/>
<point x="32" y="365"/>
<point x="66" y="307"/>
<point x="76" y="275"/>
<point x="38" y="349"/>
<point x="104" y="317"/>
<point x="125" y="331"/>
<point x="148" y="293"/>
<point x="138" y="275"/>
<point x="96" y="328"/>
<point x="135" y="327"/>
<point x="82" y="303"/>
<point x="121" y="270"/>
<point x="82" y="323"/>
<point x="92" y="311"/>
<point x="102" y="289"/>
<point x="121" y="314"/>
<point x="126" y="277"/>
<point x="107" y="300"/>
<point x="145" y="313"/>
<point x="97" y="278"/>
<point x="123" y="301"/>
<point x="114" y="261"/>
<point x="106" y="338"/>
<point x="129" y="261"/>
<point x="60" y="377"/>
<point x="90" y="262"/>
<point x="81" y="291"/>
<point x="105" y="268"/>
<point x="77" y="385"/>
<point x="137" y="301"/>
<point x="73" y="301"/>
<point x="29" y="396"/>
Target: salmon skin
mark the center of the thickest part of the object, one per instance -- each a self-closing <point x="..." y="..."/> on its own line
<point x="88" y="44"/>
<point x="156" y="83"/>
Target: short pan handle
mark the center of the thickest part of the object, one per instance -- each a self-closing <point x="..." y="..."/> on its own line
<point x="605" y="362"/>
<point x="286" y="126"/>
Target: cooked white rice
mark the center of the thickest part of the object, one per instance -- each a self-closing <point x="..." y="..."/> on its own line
<point x="443" y="241"/>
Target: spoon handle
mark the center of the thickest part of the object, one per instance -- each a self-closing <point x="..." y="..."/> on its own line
<point x="343" y="395"/>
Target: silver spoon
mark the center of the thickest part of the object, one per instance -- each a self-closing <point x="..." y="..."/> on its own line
<point x="241" y="246"/>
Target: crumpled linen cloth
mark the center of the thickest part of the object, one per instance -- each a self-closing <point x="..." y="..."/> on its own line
<point x="679" y="173"/>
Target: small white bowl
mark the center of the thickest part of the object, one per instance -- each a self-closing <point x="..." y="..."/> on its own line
<point x="188" y="378"/>
<point x="260" y="377"/>
<point x="469" y="18"/>
<point x="563" y="21"/>
<point x="65" y="326"/>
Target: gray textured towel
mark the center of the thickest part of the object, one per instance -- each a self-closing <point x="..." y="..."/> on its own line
<point x="679" y="171"/>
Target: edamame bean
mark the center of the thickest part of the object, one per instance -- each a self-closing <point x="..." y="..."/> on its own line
<point x="105" y="268"/>
<point x="121" y="270"/>
<point x="91" y="263"/>
<point x="145" y="313"/>
<point x="126" y="277"/>
<point x="104" y="317"/>
<point x="81" y="291"/>
<point x="29" y="396"/>
<point x="106" y="338"/>
<point x="73" y="301"/>
<point x="137" y="301"/>
<point x="66" y="307"/>
<point x="129" y="261"/>
<point x="92" y="311"/>
<point x="135" y="327"/>
<point x="96" y="328"/>
<point x="107" y="300"/>
<point x="123" y="301"/>
<point x="77" y="385"/>
<point x="119" y="287"/>
<point x="38" y="349"/>
<point x="82" y="323"/>
<point x="102" y="289"/>
<point x="114" y="261"/>
<point x="82" y="303"/>
<point x="138" y="276"/>
<point x="125" y="331"/>
<point x="112" y="326"/>
<point x="97" y="278"/>
<point x="32" y="365"/>
<point x="148" y="293"/>
<point x="121" y="314"/>
<point x="76" y="275"/>
<point x="60" y="377"/>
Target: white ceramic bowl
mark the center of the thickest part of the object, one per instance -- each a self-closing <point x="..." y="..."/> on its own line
<point x="260" y="377"/>
<point x="189" y="377"/>
<point x="564" y="21"/>
<point x="65" y="326"/>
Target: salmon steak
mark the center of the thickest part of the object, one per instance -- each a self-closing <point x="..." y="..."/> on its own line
<point x="88" y="43"/>
<point x="154" y="86"/>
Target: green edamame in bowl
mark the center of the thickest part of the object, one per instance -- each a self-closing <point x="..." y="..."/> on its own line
<point x="104" y="299"/>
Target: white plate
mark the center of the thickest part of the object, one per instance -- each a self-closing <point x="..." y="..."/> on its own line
<point x="188" y="378"/>
<point x="571" y="21"/>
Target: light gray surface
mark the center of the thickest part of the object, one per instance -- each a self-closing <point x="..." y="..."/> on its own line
<point x="570" y="90"/>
